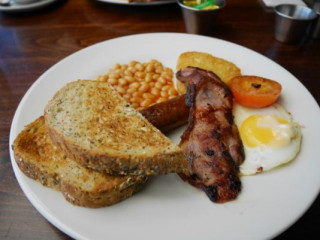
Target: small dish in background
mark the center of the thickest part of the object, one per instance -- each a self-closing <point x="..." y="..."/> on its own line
<point x="293" y="22"/>
<point x="199" y="17"/>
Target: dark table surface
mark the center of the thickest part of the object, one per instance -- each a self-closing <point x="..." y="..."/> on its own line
<point x="32" y="42"/>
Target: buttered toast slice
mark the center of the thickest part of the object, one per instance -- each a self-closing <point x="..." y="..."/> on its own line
<point x="39" y="159"/>
<point x="98" y="129"/>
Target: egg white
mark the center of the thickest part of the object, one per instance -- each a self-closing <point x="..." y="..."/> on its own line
<point x="265" y="157"/>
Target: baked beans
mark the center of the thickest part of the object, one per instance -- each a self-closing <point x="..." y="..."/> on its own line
<point x="142" y="84"/>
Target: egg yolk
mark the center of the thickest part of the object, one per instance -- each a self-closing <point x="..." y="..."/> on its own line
<point x="267" y="130"/>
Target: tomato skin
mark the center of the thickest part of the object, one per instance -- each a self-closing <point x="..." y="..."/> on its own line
<point x="253" y="91"/>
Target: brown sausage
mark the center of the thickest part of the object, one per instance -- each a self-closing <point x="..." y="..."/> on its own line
<point x="167" y="115"/>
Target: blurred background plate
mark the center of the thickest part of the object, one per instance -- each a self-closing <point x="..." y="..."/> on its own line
<point x="26" y="7"/>
<point x="126" y="2"/>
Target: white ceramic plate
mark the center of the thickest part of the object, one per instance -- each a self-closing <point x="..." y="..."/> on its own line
<point x="273" y="3"/>
<point x="126" y="2"/>
<point x="169" y="208"/>
<point x="13" y="7"/>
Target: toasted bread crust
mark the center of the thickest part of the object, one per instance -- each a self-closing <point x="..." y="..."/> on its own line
<point x="45" y="177"/>
<point x="127" y="165"/>
<point x="98" y="199"/>
<point x="103" y="132"/>
<point x="40" y="160"/>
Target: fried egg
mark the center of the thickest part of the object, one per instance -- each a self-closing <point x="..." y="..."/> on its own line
<point x="269" y="135"/>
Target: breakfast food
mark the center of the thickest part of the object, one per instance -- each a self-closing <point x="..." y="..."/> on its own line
<point x="142" y="84"/>
<point x="167" y="115"/>
<point x="39" y="159"/>
<point x="97" y="128"/>
<point x="253" y="91"/>
<point x="149" y="88"/>
<point x="255" y="96"/>
<point x="269" y="135"/>
<point x="99" y="140"/>
<point x="211" y="140"/>
<point x="224" y="69"/>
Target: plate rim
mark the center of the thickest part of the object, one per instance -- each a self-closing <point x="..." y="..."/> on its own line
<point x="26" y="7"/>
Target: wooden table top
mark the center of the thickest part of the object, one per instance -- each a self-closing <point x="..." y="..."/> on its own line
<point x="32" y="42"/>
